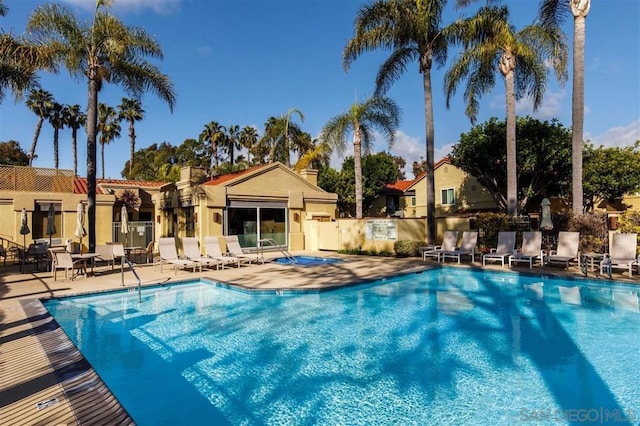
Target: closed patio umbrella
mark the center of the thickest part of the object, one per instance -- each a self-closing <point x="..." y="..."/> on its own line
<point x="80" y="231"/>
<point x="51" y="222"/>
<point x="546" y="224"/>
<point x="24" y="228"/>
<point x="124" y="225"/>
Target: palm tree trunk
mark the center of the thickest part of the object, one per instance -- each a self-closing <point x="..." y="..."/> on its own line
<point x="56" y="134"/>
<point x="32" y="151"/>
<point x="102" y="158"/>
<point x="132" y="145"/>
<point x="357" y="162"/>
<point x="430" y="133"/>
<point x="577" y="112"/>
<point x="74" y="149"/>
<point x="92" y="121"/>
<point x="512" y="175"/>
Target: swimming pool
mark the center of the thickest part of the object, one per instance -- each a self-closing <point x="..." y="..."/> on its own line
<point x="306" y="260"/>
<point x="447" y="346"/>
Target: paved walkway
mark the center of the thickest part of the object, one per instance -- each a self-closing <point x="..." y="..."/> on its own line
<point x="44" y="379"/>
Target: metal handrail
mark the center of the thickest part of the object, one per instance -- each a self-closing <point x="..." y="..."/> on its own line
<point x="135" y="274"/>
<point x="273" y="243"/>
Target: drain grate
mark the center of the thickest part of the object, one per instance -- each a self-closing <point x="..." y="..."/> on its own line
<point x="46" y="404"/>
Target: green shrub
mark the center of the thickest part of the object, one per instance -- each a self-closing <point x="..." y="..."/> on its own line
<point x="407" y="248"/>
<point x="488" y="225"/>
<point x="593" y="231"/>
<point x="629" y="221"/>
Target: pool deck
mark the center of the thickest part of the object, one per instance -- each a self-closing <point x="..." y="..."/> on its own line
<point x="44" y="380"/>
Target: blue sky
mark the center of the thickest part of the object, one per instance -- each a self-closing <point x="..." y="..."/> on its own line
<point x="243" y="61"/>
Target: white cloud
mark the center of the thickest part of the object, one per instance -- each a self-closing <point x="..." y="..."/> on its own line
<point x="162" y="7"/>
<point x="621" y="136"/>
<point x="551" y="106"/>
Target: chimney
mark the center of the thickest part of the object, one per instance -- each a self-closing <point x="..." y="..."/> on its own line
<point x="310" y="175"/>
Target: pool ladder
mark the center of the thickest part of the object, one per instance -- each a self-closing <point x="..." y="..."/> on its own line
<point x="274" y="244"/>
<point x="135" y="274"/>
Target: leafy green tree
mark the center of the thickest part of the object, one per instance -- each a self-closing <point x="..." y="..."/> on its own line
<point x="40" y="102"/>
<point x="610" y="173"/>
<point x="231" y="141"/>
<point x="193" y="153"/>
<point x="318" y="156"/>
<point x="154" y="163"/>
<point x="360" y="120"/>
<point x="103" y="50"/>
<point x="12" y="154"/>
<point x="108" y="128"/>
<point x="544" y="158"/>
<point x="130" y="110"/>
<point x="58" y="117"/>
<point x="378" y="170"/>
<point x="76" y="118"/>
<point x="490" y="45"/>
<point x="552" y="15"/>
<point x="279" y="138"/>
<point x="419" y="167"/>
<point x="411" y="29"/>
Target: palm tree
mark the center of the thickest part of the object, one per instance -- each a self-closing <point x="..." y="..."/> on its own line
<point x="108" y="128"/>
<point x="361" y="119"/>
<point x="491" y="44"/>
<point x="248" y="138"/>
<point x="40" y="102"/>
<point x="287" y="136"/>
<point x="552" y="14"/>
<point x="19" y="61"/>
<point x="411" y="29"/>
<point x="102" y="51"/>
<point x="58" y="118"/>
<point x="75" y="119"/>
<point x="213" y="133"/>
<point x="130" y="110"/>
<point x="232" y="141"/>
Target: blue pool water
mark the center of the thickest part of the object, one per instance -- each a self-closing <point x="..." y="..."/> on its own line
<point x="306" y="260"/>
<point x="447" y="346"/>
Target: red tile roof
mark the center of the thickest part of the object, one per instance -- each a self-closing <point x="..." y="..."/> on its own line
<point x="218" y="180"/>
<point x="402" y="185"/>
<point x="80" y="184"/>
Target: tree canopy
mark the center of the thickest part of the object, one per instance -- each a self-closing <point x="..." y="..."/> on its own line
<point x="12" y="154"/>
<point x="610" y="173"/>
<point x="543" y="158"/>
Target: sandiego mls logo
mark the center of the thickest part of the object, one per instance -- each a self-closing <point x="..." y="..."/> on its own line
<point x="580" y="415"/>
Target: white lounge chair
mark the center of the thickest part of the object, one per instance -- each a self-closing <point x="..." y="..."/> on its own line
<point x="169" y="255"/>
<point x="624" y="254"/>
<point x="568" y="249"/>
<point x="531" y="249"/>
<point x="233" y="247"/>
<point x="192" y="252"/>
<point x="467" y="247"/>
<point x="449" y="241"/>
<point x="504" y="249"/>
<point x="212" y="248"/>
<point x="105" y="254"/>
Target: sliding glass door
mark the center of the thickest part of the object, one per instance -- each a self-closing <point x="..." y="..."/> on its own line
<point x="252" y="224"/>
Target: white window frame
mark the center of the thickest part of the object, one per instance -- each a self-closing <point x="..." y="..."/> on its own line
<point x="444" y="193"/>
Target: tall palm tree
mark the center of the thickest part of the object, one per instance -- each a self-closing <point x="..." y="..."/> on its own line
<point x="58" y="118"/>
<point x="103" y="51"/>
<point x="130" y="110"/>
<point x="287" y="136"/>
<point x="248" y="138"/>
<point x="491" y="44"/>
<point x="360" y="120"/>
<point x="232" y="141"/>
<point x="552" y="14"/>
<point x="40" y="102"/>
<point x="213" y="133"/>
<point x="108" y="128"/>
<point x="75" y="119"/>
<point x="411" y="29"/>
